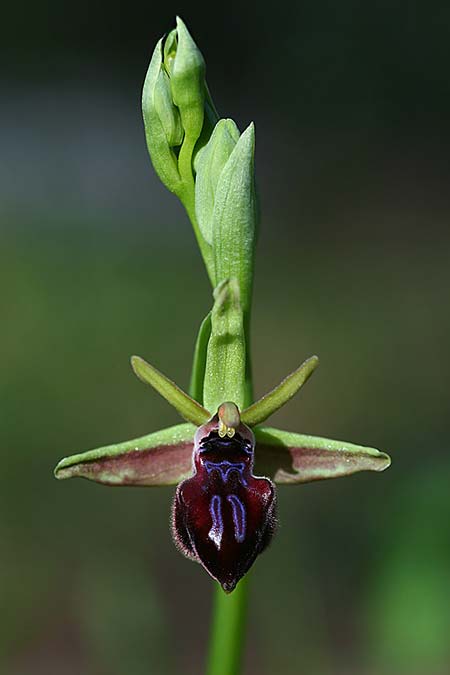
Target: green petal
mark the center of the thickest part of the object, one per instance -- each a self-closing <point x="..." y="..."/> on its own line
<point x="161" y="458"/>
<point x="275" y="399"/>
<point x="296" y="458"/>
<point x="182" y="402"/>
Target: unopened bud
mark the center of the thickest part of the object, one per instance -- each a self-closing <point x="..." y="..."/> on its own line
<point x="160" y="123"/>
<point x="186" y="68"/>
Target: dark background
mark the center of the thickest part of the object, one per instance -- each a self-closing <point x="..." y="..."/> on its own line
<point x="351" y="102"/>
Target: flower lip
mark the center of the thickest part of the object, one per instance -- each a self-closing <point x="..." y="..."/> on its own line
<point x="223" y="515"/>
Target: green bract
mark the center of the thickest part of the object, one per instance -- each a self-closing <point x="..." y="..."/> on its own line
<point x="209" y="166"/>
<point x="234" y="218"/>
<point x="224" y="378"/>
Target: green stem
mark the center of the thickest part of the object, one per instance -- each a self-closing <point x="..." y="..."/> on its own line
<point x="228" y="630"/>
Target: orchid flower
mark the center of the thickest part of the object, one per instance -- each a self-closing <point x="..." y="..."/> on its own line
<point x="223" y="514"/>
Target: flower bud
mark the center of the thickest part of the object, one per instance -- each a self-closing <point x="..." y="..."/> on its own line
<point x="179" y="114"/>
<point x="186" y="67"/>
<point x="160" y="121"/>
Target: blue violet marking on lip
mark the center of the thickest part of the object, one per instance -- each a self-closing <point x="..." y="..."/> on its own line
<point x="224" y="516"/>
<point x="216" y="531"/>
<point x="225" y="468"/>
<point x="239" y="517"/>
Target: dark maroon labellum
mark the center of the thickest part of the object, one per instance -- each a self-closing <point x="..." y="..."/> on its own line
<point x="223" y="516"/>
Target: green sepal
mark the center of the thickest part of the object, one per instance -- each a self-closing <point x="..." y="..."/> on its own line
<point x="225" y="360"/>
<point x="189" y="409"/>
<point x="235" y="218"/>
<point x="199" y="361"/>
<point x="163" y="158"/>
<point x="161" y="458"/>
<point x="290" y="458"/>
<point x="275" y="399"/>
<point x="209" y="165"/>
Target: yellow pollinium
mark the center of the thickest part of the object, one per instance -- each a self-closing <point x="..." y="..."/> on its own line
<point x="229" y="419"/>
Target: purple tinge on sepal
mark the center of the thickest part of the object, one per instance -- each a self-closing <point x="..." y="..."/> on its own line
<point x="290" y="458"/>
<point x="160" y="466"/>
<point x="223" y="516"/>
<point x="161" y="458"/>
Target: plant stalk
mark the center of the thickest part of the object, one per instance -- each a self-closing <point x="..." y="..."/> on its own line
<point x="227" y="637"/>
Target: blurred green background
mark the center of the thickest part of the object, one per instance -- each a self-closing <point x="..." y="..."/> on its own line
<point x="97" y="262"/>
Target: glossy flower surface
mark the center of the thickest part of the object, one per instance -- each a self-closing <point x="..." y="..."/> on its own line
<point x="224" y="516"/>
